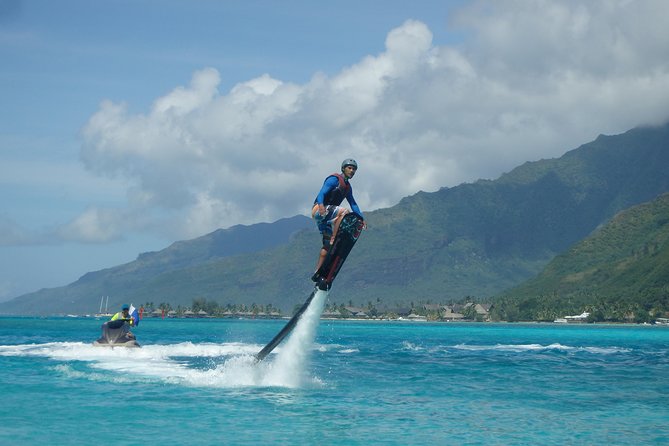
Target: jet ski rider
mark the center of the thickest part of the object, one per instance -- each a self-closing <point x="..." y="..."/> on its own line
<point x="124" y="315"/>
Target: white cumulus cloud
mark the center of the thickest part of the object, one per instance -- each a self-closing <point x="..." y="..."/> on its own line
<point x="530" y="80"/>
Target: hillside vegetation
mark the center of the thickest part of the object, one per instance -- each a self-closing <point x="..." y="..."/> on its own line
<point x="621" y="272"/>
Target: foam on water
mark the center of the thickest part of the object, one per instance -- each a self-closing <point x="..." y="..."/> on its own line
<point x="539" y="347"/>
<point x="201" y="365"/>
<point x="230" y="365"/>
<point x="349" y="350"/>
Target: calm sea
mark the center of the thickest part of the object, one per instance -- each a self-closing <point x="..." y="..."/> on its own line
<point x="333" y="383"/>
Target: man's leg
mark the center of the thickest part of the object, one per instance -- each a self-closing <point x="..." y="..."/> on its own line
<point x="337" y="221"/>
<point x="328" y="225"/>
<point x="323" y="253"/>
<point x="321" y="257"/>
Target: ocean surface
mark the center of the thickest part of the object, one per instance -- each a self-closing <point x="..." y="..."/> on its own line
<point x="195" y="382"/>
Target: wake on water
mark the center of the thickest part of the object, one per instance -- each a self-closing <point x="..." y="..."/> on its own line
<point x="172" y="363"/>
<point x="230" y="365"/>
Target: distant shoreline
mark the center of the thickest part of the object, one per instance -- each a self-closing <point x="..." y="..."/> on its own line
<point x="343" y="319"/>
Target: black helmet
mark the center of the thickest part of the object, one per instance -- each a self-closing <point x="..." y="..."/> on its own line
<point x="349" y="162"/>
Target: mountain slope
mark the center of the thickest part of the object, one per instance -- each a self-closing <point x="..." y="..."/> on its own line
<point x="624" y="262"/>
<point x="474" y="239"/>
<point x="126" y="282"/>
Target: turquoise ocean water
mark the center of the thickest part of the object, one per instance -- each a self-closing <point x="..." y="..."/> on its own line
<point x="194" y="382"/>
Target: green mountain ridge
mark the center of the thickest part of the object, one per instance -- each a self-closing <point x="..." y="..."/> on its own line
<point x="619" y="270"/>
<point x="476" y="239"/>
<point x="236" y="240"/>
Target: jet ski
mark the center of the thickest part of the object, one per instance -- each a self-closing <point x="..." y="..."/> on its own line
<point x="116" y="334"/>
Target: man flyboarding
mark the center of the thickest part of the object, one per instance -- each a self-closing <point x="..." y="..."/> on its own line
<point x="327" y="210"/>
<point x="329" y="216"/>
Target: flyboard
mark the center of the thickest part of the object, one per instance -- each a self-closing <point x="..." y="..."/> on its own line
<point x="348" y="233"/>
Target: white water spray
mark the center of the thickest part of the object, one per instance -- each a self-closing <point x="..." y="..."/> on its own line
<point x="289" y="367"/>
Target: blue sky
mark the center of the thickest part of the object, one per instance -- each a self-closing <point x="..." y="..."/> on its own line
<point x="127" y="125"/>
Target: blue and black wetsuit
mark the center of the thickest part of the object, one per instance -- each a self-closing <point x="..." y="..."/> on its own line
<point x="335" y="189"/>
